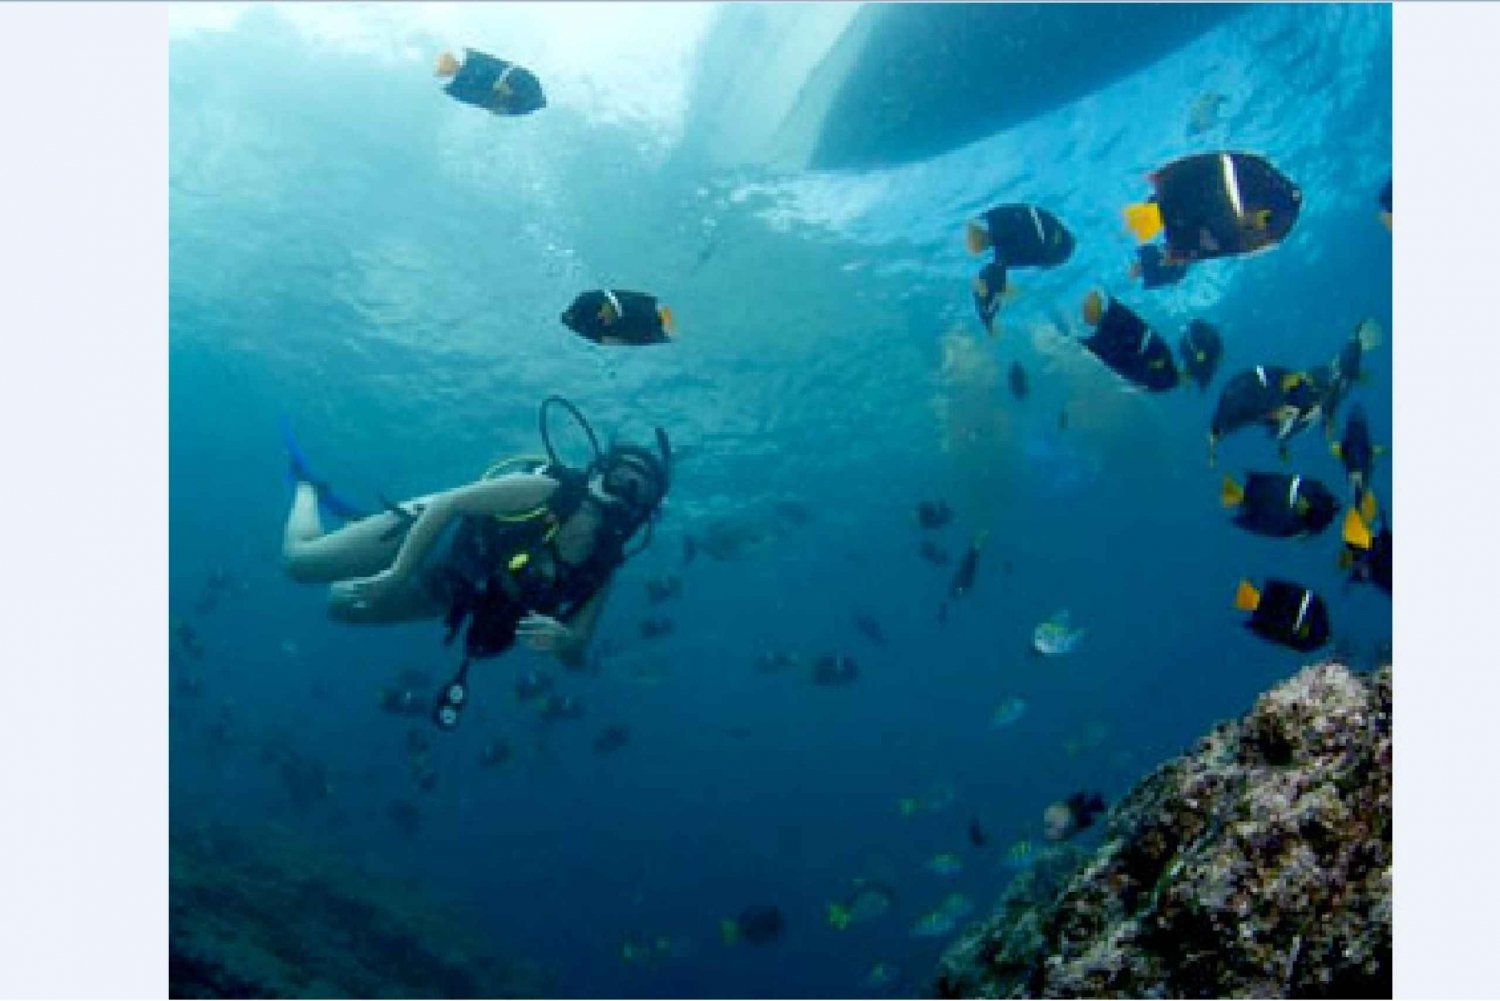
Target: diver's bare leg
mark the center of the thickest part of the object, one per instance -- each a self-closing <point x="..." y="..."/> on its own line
<point x="412" y="603"/>
<point x="358" y="549"/>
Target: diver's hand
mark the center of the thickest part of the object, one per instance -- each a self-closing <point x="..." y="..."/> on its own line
<point x="544" y="633"/>
<point x="365" y="592"/>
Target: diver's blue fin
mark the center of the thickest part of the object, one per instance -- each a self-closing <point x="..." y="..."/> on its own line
<point x="301" y="472"/>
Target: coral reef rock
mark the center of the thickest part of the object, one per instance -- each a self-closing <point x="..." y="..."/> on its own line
<point x="1257" y="865"/>
<point x="266" y="914"/>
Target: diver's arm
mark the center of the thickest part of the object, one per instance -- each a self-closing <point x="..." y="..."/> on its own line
<point x="581" y="627"/>
<point x="504" y="496"/>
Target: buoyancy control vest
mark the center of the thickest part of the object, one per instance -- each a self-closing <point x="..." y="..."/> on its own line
<point x="499" y="569"/>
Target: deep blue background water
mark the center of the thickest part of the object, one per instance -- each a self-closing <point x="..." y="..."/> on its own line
<point x="385" y="267"/>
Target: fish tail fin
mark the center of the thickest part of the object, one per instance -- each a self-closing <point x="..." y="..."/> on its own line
<point x="977" y="237"/>
<point x="1246" y="597"/>
<point x="1370" y="335"/>
<point x="1144" y="220"/>
<point x="1356" y="532"/>
<point x="1093" y="308"/>
<point x="1231" y="494"/>
<point x="729" y="931"/>
<point x="668" y="321"/>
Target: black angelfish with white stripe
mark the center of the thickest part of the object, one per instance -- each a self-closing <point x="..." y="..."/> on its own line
<point x="1285" y="613"/>
<point x="617" y="316"/>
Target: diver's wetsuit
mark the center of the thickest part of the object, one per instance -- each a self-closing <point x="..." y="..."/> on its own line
<point x="494" y="572"/>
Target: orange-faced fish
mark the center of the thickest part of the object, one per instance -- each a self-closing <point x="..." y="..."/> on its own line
<point x="495" y="85"/>
<point x="1122" y="341"/>
<point x="1200" y="349"/>
<point x="989" y="290"/>
<point x="1022" y="236"/>
<point x="1217" y="205"/>
<point x="1279" y="505"/>
<point x="1284" y="613"/>
<point x="616" y="316"/>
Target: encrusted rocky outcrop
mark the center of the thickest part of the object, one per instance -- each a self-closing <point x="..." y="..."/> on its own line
<point x="266" y="914"/>
<point x="1257" y="865"/>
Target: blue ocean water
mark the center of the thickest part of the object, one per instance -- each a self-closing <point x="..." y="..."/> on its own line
<point x="384" y="267"/>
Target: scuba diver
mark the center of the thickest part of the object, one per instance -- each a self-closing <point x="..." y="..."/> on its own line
<point x="527" y="551"/>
